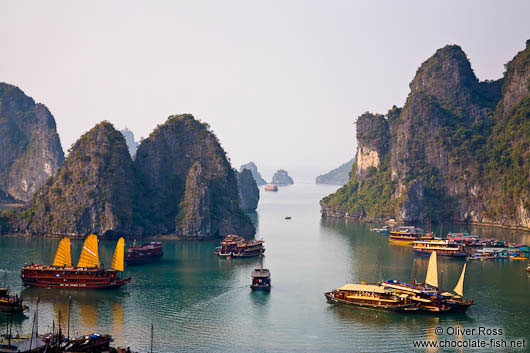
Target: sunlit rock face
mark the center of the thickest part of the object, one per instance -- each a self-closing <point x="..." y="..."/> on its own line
<point x="456" y="151"/>
<point x="30" y="149"/>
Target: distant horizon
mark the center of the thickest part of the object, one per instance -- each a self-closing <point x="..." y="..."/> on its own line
<point x="281" y="84"/>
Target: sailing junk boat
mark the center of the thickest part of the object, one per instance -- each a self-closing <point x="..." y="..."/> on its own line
<point x="88" y="274"/>
<point x="430" y="296"/>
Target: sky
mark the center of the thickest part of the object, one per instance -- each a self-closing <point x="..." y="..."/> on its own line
<point x="281" y="83"/>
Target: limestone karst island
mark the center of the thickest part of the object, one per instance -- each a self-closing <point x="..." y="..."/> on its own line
<point x="187" y="177"/>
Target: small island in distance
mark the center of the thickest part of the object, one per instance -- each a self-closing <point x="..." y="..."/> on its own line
<point x="337" y="176"/>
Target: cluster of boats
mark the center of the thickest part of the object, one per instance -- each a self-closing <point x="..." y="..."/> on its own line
<point x="393" y="295"/>
<point x="237" y="246"/>
<point x="463" y="245"/>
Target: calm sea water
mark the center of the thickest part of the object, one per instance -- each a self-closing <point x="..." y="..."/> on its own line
<point x="200" y="303"/>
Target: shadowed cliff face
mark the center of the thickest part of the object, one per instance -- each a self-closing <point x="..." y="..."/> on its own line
<point x="30" y="150"/>
<point x="255" y="173"/>
<point x="92" y="192"/>
<point x="189" y="187"/>
<point x="248" y="191"/>
<point x="457" y="150"/>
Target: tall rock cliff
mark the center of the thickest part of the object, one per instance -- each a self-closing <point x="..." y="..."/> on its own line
<point x="457" y="150"/>
<point x="248" y="191"/>
<point x="188" y="185"/>
<point x="92" y="192"/>
<point x="30" y="150"/>
<point x="255" y="173"/>
<point x="337" y="176"/>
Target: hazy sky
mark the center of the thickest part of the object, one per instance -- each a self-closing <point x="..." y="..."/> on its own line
<point x="280" y="82"/>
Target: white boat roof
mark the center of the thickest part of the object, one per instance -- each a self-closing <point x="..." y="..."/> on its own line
<point x="363" y="288"/>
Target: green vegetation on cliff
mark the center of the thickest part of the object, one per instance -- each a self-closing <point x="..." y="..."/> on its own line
<point x="92" y="192"/>
<point x="458" y="149"/>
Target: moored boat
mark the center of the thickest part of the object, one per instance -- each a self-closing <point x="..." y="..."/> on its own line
<point x="271" y="188"/>
<point x="88" y="274"/>
<point x="430" y="297"/>
<point x="374" y="296"/>
<point x="441" y="247"/>
<point x="237" y="246"/>
<point x="11" y="303"/>
<point x="145" y="253"/>
<point x="408" y="235"/>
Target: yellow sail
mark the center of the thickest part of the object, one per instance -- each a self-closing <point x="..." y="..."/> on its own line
<point x="432" y="271"/>
<point x="117" y="258"/>
<point x="459" y="288"/>
<point x="63" y="256"/>
<point x="89" y="255"/>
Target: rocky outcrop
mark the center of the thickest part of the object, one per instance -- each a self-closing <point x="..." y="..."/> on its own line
<point x="30" y="150"/>
<point x="188" y="185"/>
<point x="255" y="173"/>
<point x="132" y="145"/>
<point x="92" y="192"/>
<point x="281" y="177"/>
<point x="248" y="191"/>
<point x="457" y="150"/>
<point x="337" y="176"/>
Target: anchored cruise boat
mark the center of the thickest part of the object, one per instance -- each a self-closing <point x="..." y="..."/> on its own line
<point x="88" y="274"/>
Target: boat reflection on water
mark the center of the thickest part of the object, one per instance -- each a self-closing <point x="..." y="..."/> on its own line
<point x="85" y="308"/>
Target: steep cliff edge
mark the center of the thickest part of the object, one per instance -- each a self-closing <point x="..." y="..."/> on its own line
<point x="248" y="191"/>
<point x="92" y="192"/>
<point x="188" y="186"/>
<point x="30" y="150"/>
<point x="255" y="173"/>
<point x="337" y="176"/>
<point x="457" y="150"/>
<point x="132" y="145"/>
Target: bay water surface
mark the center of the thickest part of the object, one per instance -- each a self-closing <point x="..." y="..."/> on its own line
<point x="200" y="303"/>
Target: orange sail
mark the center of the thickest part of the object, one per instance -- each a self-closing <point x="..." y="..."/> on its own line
<point x="63" y="255"/>
<point x="89" y="255"/>
<point x="117" y="258"/>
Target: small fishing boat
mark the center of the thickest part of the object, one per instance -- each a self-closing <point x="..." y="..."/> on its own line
<point x="288" y="217"/>
<point x="237" y="246"/>
<point x="11" y="303"/>
<point x="145" y="253"/>
<point x="383" y="230"/>
<point x="88" y="274"/>
<point x="261" y="279"/>
<point x="441" y="247"/>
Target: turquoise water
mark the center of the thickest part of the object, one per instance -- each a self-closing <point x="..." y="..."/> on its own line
<point x="200" y="303"/>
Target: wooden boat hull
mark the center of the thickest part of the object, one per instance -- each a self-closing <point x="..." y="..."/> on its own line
<point x="438" y="253"/>
<point x="12" y="309"/>
<point x="397" y="307"/>
<point x="133" y="261"/>
<point x="71" y="278"/>
<point x="261" y="288"/>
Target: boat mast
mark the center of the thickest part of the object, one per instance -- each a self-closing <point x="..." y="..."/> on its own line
<point x="152" y="333"/>
<point x="414" y="271"/>
<point x="69" y="310"/>
<point x="380" y="271"/>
